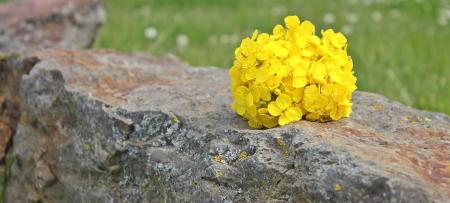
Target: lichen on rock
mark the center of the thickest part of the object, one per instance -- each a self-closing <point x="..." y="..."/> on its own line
<point x="101" y="126"/>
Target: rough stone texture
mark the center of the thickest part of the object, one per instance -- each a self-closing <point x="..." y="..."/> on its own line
<point x="49" y="23"/>
<point x="12" y="67"/>
<point x="107" y="127"/>
<point x="36" y="24"/>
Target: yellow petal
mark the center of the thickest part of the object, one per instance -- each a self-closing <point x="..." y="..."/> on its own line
<point x="312" y="117"/>
<point x="278" y="31"/>
<point x="318" y="73"/>
<point x="299" y="82"/>
<point x="334" y="114"/>
<point x="262" y="75"/>
<point x="254" y="123"/>
<point x="268" y="121"/>
<point x="300" y="70"/>
<point x="283" y="101"/>
<point x="297" y="94"/>
<point x="280" y="51"/>
<point x="294" y="60"/>
<point x="273" y="109"/>
<point x="274" y="68"/>
<point x="255" y="93"/>
<point x="251" y="111"/>
<point x="240" y="93"/>
<point x="294" y="113"/>
<point x="265" y="93"/>
<point x="307" y="53"/>
<point x="338" y="40"/>
<point x="310" y="97"/>
<point x="263" y="55"/>
<point x="273" y="82"/>
<point x="335" y="75"/>
<point x="307" y="27"/>
<point x="327" y="89"/>
<point x="263" y="38"/>
<point x="249" y="100"/>
<point x="254" y="35"/>
<point x="283" y="71"/>
<point x="262" y="111"/>
<point x="292" y="22"/>
<point x="301" y="42"/>
<point x="238" y="108"/>
<point x="283" y="120"/>
<point x="250" y="74"/>
<point x="348" y="66"/>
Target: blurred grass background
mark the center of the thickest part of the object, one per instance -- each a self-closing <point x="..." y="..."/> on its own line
<point x="399" y="47"/>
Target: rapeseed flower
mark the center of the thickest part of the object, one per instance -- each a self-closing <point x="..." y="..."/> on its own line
<point x="292" y="74"/>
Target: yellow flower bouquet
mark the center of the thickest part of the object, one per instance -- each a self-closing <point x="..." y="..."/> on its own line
<point x="282" y="77"/>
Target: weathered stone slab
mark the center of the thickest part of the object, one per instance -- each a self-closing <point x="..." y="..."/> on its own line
<point x="107" y="127"/>
<point x="12" y="67"/>
<point x="36" y="24"/>
<point x="26" y="24"/>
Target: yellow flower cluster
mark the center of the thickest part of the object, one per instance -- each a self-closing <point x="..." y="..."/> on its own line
<point x="290" y="74"/>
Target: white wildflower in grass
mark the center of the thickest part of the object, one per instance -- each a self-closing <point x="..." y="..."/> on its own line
<point x="224" y="39"/>
<point x="234" y="39"/>
<point x="367" y="2"/>
<point x="443" y="17"/>
<point x="329" y="18"/>
<point x="178" y="18"/>
<point x="212" y="39"/>
<point x="347" y="29"/>
<point x="144" y="11"/>
<point x="377" y="16"/>
<point x="395" y="13"/>
<point x="182" y="40"/>
<point x="430" y="31"/>
<point x="352" y="18"/>
<point x="352" y="2"/>
<point x="150" y="32"/>
<point x="278" y="10"/>
<point x="381" y="1"/>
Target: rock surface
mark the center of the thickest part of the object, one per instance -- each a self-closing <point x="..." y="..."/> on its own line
<point x="36" y="24"/>
<point x="26" y="24"/>
<point x="107" y="127"/>
<point x="12" y="67"/>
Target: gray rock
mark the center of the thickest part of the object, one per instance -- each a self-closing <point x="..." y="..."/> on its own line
<point x="37" y="24"/>
<point x="26" y="24"/>
<point x="108" y="127"/>
<point x="12" y="67"/>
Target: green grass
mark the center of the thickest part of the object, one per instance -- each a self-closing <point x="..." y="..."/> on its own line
<point x="403" y="56"/>
<point x="5" y="173"/>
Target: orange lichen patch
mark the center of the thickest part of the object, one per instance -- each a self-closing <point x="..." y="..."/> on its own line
<point x="337" y="187"/>
<point x="243" y="155"/>
<point x="219" y="174"/>
<point x="69" y="58"/>
<point x="378" y="107"/>
<point x="286" y="153"/>
<point x="10" y="77"/>
<point x="427" y="134"/>
<point x="111" y="86"/>
<point x="418" y="154"/>
<point x="5" y="137"/>
<point x="217" y="158"/>
<point x="280" y="142"/>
